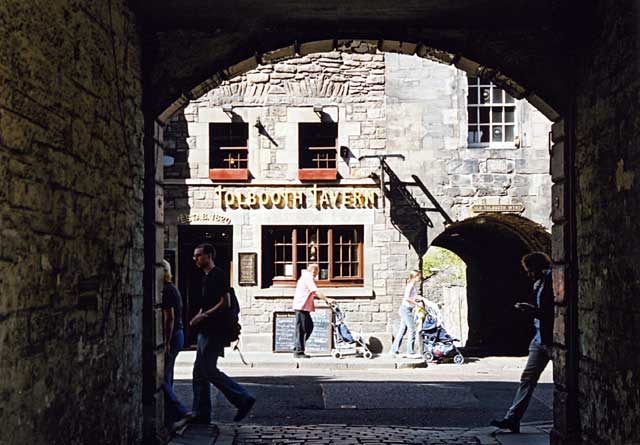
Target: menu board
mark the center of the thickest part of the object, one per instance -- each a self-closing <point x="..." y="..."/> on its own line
<point x="284" y="331"/>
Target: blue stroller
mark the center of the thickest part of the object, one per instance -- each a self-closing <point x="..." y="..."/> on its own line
<point x="346" y="342"/>
<point x="437" y="344"/>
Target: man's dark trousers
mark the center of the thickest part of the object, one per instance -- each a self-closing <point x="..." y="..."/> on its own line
<point x="304" y="328"/>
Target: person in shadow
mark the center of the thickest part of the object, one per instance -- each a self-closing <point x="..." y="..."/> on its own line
<point x="176" y="414"/>
<point x="538" y="267"/>
<point x="211" y="321"/>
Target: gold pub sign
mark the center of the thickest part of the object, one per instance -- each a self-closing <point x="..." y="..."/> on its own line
<point x="314" y="198"/>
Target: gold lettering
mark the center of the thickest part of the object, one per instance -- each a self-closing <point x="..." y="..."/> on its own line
<point x="277" y="199"/>
<point x="253" y="200"/>
<point x="230" y="200"/>
<point x="218" y="193"/>
<point x="316" y="199"/>
<point x="358" y="199"/>
<point x="348" y="200"/>
<point x="334" y="196"/>
<point x="298" y="200"/>
<point x="370" y="199"/>
<point x="325" y="200"/>
<point x="242" y="201"/>
<point x="264" y="200"/>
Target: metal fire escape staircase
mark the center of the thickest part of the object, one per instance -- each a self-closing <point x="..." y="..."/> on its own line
<point x="405" y="210"/>
<point x="398" y="188"/>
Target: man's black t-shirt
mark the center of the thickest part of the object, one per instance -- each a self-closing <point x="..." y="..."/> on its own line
<point x="215" y="285"/>
<point x="171" y="299"/>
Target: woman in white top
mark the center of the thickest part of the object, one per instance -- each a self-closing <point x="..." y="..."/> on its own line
<point x="406" y="315"/>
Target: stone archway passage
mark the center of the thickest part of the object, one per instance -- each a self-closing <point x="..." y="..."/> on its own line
<point x="491" y="245"/>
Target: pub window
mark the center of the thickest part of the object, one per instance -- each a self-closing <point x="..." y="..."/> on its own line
<point x="229" y="155"/>
<point x="492" y="114"/>
<point x="288" y="250"/>
<point x="317" y="150"/>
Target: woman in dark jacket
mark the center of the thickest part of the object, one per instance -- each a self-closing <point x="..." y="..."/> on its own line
<point x="176" y="414"/>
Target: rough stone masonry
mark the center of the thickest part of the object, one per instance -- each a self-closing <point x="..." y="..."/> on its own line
<point x="70" y="223"/>
<point x="383" y="104"/>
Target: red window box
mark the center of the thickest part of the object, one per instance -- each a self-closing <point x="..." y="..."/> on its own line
<point x="229" y="174"/>
<point x="317" y="174"/>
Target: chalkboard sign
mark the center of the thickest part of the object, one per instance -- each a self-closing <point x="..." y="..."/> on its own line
<point x="284" y="331"/>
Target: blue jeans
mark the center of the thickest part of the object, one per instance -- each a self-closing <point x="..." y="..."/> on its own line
<point x="205" y="371"/>
<point x="539" y="356"/>
<point x="173" y="408"/>
<point x="406" y="324"/>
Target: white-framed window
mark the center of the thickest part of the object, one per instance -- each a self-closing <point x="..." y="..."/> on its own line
<point x="492" y="115"/>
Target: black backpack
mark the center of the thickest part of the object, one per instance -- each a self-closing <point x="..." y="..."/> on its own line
<point x="232" y="322"/>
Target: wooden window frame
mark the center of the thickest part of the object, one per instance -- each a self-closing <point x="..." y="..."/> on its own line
<point x="270" y="257"/>
<point x="228" y="161"/>
<point x="325" y="157"/>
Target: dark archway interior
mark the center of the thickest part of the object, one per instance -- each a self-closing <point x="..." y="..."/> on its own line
<point x="492" y="245"/>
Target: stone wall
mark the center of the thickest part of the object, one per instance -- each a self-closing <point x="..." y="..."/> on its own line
<point x="350" y="87"/>
<point x="70" y="223"/>
<point x="607" y="166"/>
<point x="427" y="116"/>
<point x="384" y="104"/>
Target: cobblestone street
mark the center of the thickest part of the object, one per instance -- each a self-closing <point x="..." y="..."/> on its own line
<point x="535" y="433"/>
<point x="351" y="435"/>
<point x="318" y="405"/>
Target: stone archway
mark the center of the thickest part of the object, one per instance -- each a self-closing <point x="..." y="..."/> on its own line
<point x="491" y="245"/>
<point x="365" y="46"/>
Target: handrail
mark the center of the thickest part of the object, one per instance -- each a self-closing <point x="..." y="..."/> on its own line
<point x="437" y="206"/>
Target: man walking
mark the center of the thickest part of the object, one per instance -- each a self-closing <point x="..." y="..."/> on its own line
<point x="537" y="265"/>
<point x="306" y="292"/>
<point x="213" y="307"/>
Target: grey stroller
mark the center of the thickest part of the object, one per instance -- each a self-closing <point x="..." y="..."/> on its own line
<point x="346" y="342"/>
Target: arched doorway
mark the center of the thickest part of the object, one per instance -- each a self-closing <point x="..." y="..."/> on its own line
<point x="366" y="46"/>
<point x="491" y="245"/>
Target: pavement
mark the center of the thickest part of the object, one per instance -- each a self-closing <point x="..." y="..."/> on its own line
<point x="328" y="434"/>
<point x="533" y="433"/>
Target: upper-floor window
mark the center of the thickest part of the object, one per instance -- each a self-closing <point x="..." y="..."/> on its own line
<point x="228" y="154"/>
<point x="317" y="150"/>
<point x="492" y="114"/>
<point x="289" y="250"/>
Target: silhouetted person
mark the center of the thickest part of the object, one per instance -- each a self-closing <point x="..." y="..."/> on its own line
<point x="176" y="414"/>
<point x="537" y="265"/>
<point x="210" y="322"/>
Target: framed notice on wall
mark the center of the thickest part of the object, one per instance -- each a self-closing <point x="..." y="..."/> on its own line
<point x="247" y="269"/>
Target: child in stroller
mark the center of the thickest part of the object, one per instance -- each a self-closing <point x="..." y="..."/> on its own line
<point x="346" y="342"/>
<point x="437" y="344"/>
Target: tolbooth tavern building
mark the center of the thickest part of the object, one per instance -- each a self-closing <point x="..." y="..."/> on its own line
<point x="283" y="165"/>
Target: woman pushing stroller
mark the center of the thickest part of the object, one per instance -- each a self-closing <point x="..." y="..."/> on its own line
<point x="407" y="324"/>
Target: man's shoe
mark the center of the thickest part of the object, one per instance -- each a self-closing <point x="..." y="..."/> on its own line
<point x="300" y="355"/>
<point x="507" y="424"/>
<point x="244" y="409"/>
<point x="175" y="426"/>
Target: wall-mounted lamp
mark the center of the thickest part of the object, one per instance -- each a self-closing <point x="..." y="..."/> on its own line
<point x="227" y="108"/>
